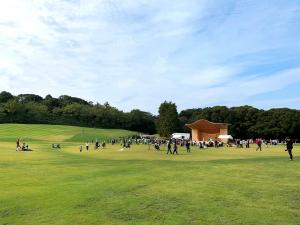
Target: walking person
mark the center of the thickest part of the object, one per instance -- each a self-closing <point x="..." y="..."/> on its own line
<point x="80" y="148"/>
<point x="188" y="146"/>
<point x="169" y="146"/>
<point x="258" y="142"/>
<point x="87" y="146"/>
<point x="248" y="144"/>
<point x="289" y="147"/>
<point x="175" y="148"/>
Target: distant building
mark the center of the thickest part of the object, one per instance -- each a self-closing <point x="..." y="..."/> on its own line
<point x="203" y="130"/>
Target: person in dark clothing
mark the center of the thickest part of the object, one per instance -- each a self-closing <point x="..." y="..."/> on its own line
<point x="188" y="146"/>
<point x="18" y="142"/>
<point x="248" y="144"/>
<point x="289" y="147"/>
<point x="169" y="148"/>
<point x="175" y="148"/>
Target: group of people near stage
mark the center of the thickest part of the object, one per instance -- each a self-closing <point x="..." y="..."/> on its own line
<point x="21" y="146"/>
<point x="207" y="144"/>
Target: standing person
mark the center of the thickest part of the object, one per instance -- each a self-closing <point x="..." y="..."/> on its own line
<point x="80" y="148"/>
<point x="258" y="142"/>
<point x="169" y="148"/>
<point x="175" y="148"/>
<point x="188" y="146"/>
<point x="18" y="142"/>
<point x="289" y="147"/>
<point x="216" y="144"/>
<point x="87" y="146"/>
<point x="248" y="144"/>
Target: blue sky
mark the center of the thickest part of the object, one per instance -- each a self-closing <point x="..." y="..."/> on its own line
<point x="136" y="54"/>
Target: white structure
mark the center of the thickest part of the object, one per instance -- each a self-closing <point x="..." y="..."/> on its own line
<point x="225" y="138"/>
<point x="184" y="136"/>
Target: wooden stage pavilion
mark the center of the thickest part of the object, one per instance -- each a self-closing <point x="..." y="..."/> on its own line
<point x="203" y="130"/>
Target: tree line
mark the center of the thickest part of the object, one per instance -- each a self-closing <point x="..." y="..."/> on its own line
<point x="245" y="121"/>
<point x="68" y="110"/>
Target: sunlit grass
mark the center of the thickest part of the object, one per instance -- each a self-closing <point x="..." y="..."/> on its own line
<point x="144" y="186"/>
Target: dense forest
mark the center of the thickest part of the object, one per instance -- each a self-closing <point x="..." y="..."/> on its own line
<point x="67" y="110"/>
<point x="246" y="121"/>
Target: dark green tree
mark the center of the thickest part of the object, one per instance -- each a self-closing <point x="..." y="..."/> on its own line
<point x="167" y="121"/>
<point x="141" y="121"/>
<point x="5" y="96"/>
<point x="25" y="98"/>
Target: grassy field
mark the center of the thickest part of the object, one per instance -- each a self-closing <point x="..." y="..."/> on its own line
<point x="141" y="185"/>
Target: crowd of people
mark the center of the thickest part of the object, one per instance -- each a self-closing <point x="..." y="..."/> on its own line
<point x="172" y="145"/>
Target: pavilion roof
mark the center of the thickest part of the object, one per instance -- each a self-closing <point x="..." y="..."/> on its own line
<point x="205" y="124"/>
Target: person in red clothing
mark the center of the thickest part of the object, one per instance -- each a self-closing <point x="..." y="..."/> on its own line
<point x="258" y="142"/>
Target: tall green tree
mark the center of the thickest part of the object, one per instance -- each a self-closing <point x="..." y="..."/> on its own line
<point x="167" y="122"/>
<point x="5" y="96"/>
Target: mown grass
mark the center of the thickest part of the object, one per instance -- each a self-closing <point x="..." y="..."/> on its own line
<point x="142" y="186"/>
<point x="56" y="133"/>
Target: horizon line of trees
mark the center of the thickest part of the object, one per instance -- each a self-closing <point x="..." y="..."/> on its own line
<point x="246" y="121"/>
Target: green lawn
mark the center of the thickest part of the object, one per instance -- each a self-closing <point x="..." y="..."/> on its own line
<point x="141" y="186"/>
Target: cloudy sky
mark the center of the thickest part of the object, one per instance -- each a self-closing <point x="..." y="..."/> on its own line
<point x="136" y="54"/>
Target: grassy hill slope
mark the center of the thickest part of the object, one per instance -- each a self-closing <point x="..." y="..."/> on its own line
<point x="56" y="133"/>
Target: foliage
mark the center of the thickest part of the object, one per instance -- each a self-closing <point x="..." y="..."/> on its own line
<point x="167" y="122"/>
<point x="67" y="110"/>
<point x="245" y="121"/>
<point x="249" y="122"/>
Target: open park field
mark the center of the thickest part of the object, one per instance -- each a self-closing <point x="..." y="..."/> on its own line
<point x="140" y="185"/>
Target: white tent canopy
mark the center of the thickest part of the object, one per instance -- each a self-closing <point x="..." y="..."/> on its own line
<point x="185" y="136"/>
<point x="225" y="137"/>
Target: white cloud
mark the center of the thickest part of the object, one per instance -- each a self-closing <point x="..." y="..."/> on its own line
<point x="136" y="54"/>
